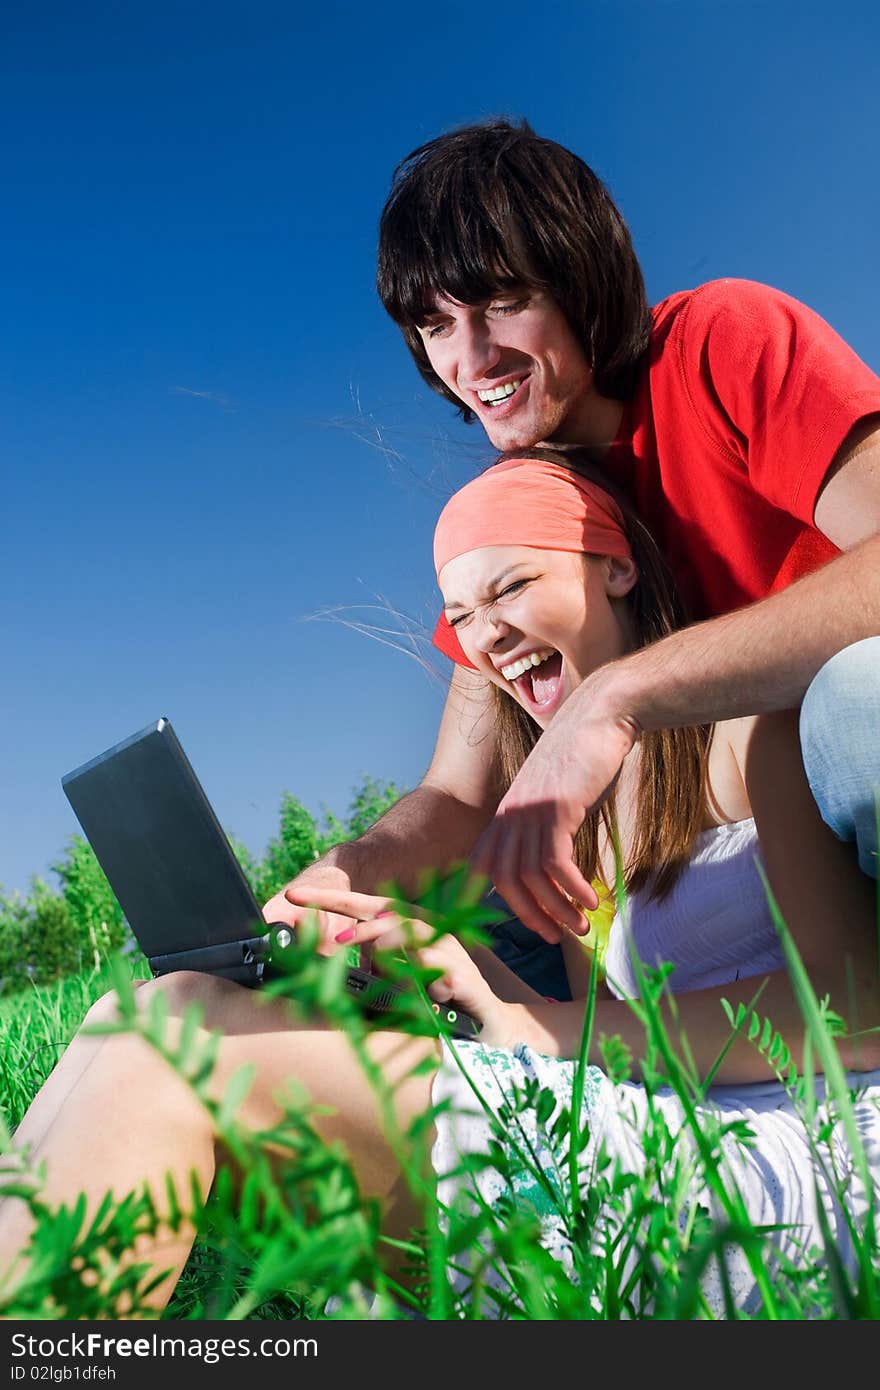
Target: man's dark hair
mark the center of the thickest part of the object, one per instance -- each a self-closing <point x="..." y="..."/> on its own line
<point x="489" y="206"/>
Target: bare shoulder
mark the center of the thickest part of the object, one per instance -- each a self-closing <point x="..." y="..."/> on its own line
<point x="737" y="733"/>
<point x="754" y="735"/>
<point x="728" y="797"/>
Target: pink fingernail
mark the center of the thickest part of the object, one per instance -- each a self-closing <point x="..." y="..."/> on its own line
<point x="348" y="935"/>
<point x="380" y="915"/>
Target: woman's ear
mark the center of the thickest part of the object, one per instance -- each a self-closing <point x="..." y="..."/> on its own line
<point x="621" y="575"/>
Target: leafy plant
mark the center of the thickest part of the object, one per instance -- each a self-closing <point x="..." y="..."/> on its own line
<point x="298" y="1239"/>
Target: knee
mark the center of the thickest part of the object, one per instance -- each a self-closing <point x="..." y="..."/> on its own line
<point x="843" y="697"/>
<point x="840" y="714"/>
<point x="182" y="988"/>
<point x="839" y="720"/>
<point x="103" y="1010"/>
<point x="133" y="1054"/>
<point x="178" y="989"/>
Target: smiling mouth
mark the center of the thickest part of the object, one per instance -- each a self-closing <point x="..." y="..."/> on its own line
<point x="496" y="396"/>
<point x="540" y="686"/>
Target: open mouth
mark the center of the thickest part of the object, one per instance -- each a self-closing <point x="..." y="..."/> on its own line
<point x="500" y="399"/>
<point x="541" y="687"/>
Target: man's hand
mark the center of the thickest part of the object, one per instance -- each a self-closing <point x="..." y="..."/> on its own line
<point x="528" y="850"/>
<point x="291" y="906"/>
<point x="377" y="921"/>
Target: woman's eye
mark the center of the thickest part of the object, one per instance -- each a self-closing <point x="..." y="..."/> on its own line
<point x="509" y="589"/>
<point x="433" y="330"/>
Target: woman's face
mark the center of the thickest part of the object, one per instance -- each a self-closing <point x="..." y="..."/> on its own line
<point x="538" y="622"/>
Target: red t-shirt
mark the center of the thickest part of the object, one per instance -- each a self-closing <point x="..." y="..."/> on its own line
<point x="746" y="398"/>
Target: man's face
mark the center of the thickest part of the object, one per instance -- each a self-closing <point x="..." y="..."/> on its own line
<point x="515" y="362"/>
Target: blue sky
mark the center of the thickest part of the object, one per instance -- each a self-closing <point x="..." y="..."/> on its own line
<point x="209" y="431"/>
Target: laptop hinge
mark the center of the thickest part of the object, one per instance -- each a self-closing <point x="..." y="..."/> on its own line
<point x="235" y="960"/>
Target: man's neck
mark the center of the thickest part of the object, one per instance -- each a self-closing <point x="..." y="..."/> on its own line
<point x="593" y="424"/>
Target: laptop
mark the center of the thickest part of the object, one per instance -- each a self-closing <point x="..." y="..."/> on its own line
<point x="178" y="882"/>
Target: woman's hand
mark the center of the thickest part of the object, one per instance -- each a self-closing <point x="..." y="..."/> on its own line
<point x="392" y="926"/>
<point x="292" y="905"/>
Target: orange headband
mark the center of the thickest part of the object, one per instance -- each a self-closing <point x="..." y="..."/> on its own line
<point x="529" y="502"/>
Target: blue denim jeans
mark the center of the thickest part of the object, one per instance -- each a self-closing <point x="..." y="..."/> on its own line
<point x="840" y="741"/>
<point x="527" y="954"/>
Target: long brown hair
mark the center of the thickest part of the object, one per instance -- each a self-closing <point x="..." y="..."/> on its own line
<point x="672" y="789"/>
<point x="480" y="209"/>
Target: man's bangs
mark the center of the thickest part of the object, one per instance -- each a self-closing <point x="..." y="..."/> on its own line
<point x="470" y="270"/>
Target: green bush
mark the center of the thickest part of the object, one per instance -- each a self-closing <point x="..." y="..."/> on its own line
<point x="289" y="852"/>
<point x="300" y="840"/>
<point x="98" y="922"/>
<point x="369" y="801"/>
<point x="46" y="936"/>
<point x="17" y="931"/>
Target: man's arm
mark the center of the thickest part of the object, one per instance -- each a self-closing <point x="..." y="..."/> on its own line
<point x="762" y="658"/>
<point x="756" y="660"/>
<point x="433" y="826"/>
<point x="829" y="910"/>
<point x="828" y="907"/>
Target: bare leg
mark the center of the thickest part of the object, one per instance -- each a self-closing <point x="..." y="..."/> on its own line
<point x="127" y="1119"/>
<point x="64" y="1075"/>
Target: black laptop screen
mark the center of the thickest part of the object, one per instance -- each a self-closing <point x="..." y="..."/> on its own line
<point x="161" y="846"/>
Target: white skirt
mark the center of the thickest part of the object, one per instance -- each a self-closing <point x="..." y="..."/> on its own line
<point x="765" y="1153"/>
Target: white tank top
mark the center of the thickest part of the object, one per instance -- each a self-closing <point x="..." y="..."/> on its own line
<point x="715" y="925"/>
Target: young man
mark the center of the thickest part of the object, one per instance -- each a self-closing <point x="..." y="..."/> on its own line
<point x="748" y="436"/>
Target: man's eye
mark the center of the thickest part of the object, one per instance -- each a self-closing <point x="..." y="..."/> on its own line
<point x="513" y="588"/>
<point x="433" y="330"/>
<point x="511" y="306"/>
<point x="460" y="620"/>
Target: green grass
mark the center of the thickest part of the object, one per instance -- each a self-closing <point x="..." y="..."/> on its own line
<point x="292" y="1240"/>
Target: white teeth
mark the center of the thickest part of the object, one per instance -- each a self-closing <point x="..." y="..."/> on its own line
<point x="517" y="668"/>
<point x="498" y="393"/>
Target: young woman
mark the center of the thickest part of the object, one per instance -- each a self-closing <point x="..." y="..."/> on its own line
<point x="543" y="581"/>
